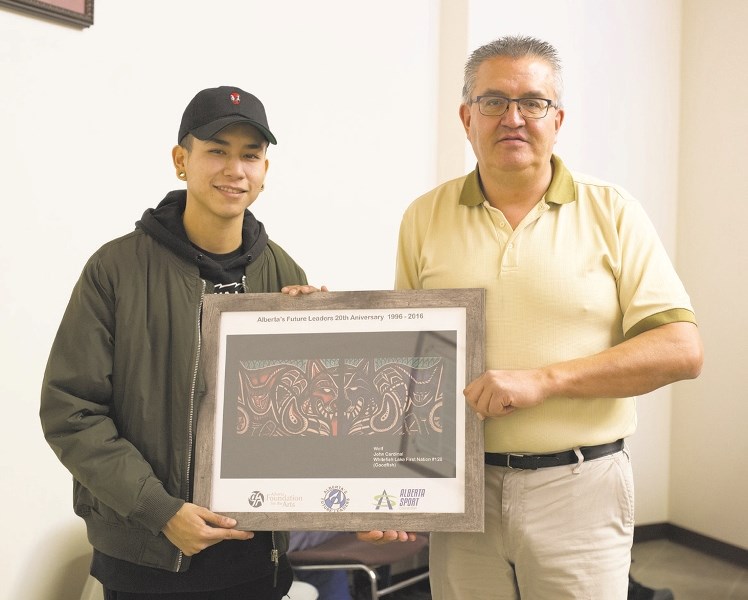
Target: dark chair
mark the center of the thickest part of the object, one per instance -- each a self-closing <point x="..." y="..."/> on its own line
<point x="346" y="551"/>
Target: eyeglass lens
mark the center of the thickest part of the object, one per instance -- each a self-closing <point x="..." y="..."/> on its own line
<point x="528" y="107"/>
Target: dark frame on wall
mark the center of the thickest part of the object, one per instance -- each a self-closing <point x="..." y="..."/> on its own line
<point x="60" y="10"/>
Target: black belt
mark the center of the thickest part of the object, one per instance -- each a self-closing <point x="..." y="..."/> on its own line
<point x="540" y="461"/>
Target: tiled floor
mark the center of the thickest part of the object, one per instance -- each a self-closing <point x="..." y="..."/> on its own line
<point x="690" y="574"/>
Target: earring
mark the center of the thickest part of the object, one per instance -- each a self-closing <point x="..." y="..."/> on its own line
<point x="182" y="175"/>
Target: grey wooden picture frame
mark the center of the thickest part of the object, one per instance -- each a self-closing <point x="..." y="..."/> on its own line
<point x="276" y="453"/>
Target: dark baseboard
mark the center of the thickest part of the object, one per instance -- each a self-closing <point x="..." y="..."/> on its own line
<point x="647" y="533"/>
<point x="691" y="539"/>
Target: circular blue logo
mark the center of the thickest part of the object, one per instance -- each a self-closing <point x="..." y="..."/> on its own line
<point x="335" y="499"/>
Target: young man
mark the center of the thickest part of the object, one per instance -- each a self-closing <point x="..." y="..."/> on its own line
<point x="584" y="312"/>
<point x="123" y="383"/>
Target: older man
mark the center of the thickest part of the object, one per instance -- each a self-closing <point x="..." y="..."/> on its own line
<point x="584" y="312"/>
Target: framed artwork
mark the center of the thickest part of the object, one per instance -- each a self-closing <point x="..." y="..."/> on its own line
<point x="76" y="12"/>
<point x="342" y="410"/>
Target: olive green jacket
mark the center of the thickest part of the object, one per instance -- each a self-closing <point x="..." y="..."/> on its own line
<point x="121" y="390"/>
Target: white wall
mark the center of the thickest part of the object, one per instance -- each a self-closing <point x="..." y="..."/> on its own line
<point x="359" y="97"/>
<point x="709" y="476"/>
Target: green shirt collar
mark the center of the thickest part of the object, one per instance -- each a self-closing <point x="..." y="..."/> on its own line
<point x="560" y="191"/>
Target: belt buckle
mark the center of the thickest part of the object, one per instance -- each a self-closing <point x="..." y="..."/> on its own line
<point x="509" y="461"/>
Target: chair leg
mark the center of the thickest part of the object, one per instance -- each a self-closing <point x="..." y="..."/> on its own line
<point x="373" y="580"/>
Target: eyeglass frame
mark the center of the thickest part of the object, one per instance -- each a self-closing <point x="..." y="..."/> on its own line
<point x="548" y="101"/>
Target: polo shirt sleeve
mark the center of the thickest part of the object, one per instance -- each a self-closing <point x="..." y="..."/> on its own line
<point x="650" y="292"/>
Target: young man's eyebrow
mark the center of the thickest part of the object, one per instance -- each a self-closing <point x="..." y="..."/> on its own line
<point x="222" y="142"/>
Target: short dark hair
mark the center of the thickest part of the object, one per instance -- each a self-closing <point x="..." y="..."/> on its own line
<point x="187" y="140"/>
<point x="512" y="46"/>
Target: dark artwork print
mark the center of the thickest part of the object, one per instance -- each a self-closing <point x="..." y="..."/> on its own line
<point x="327" y="397"/>
<point x="320" y="405"/>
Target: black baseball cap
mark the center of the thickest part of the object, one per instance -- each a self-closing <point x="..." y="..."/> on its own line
<point x="215" y="108"/>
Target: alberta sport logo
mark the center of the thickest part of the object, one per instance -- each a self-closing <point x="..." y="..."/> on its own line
<point x="407" y="500"/>
<point x="335" y="499"/>
<point x="385" y="500"/>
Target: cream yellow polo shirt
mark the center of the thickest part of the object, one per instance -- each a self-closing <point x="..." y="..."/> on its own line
<point x="583" y="270"/>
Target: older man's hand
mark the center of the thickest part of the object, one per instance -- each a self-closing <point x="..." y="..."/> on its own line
<point x="385" y="537"/>
<point x="295" y="290"/>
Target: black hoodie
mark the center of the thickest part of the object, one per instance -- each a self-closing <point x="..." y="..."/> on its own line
<point x="164" y="223"/>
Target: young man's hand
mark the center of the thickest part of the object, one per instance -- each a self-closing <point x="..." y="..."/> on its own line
<point x="194" y="528"/>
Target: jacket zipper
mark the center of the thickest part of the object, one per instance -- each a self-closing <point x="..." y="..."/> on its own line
<point x="274" y="558"/>
<point x="190" y="427"/>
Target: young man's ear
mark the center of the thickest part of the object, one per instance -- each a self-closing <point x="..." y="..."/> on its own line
<point x="177" y="156"/>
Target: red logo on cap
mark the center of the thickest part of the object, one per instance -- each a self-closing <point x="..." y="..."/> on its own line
<point x="235" y="98"/>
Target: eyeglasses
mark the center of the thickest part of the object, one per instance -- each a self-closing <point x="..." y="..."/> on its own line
<point x="530" y="108"/>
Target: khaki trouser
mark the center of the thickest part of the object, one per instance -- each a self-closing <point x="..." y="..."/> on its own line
<point x="552" y="534"/>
